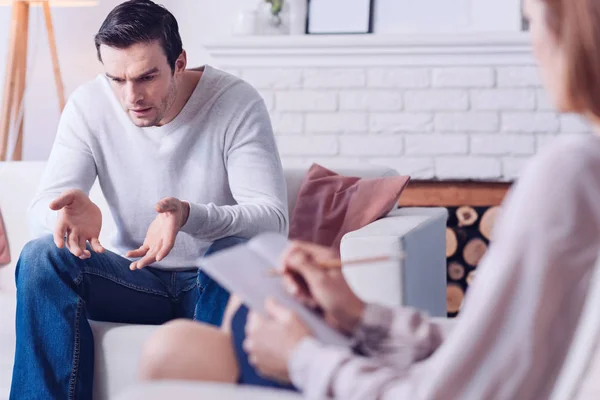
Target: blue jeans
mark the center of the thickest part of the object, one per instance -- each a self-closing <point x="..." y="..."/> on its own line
<point x="248" y="374"/>
<point x="57" y="293"/>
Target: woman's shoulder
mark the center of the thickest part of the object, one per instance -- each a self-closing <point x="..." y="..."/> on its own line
<point x="567" y="158"/>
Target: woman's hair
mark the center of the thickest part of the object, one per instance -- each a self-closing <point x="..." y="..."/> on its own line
<point x="576" y="25"/>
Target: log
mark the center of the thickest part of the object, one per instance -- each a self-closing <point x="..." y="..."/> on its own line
<point x="486" y="226"/>
<point x="454" y="298"/>
<point x="466" y="216"/>
<point x="451" y="243"/>
<point x="453" y="194"/>
<point x="456" y="271"/>
<point x="473" y="252"/>
<point x="471" y="277"/>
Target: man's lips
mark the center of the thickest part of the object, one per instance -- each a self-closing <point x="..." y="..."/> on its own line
<point x="140" y="111"/>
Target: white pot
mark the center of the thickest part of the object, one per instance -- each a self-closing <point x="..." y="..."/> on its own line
<point x="246" y="23"/>
<point x="298" y="10"/>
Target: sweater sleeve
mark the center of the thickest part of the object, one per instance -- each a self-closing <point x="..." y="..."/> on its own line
<point x="256" y="181"/>
<point x="519" y="316"/>
<point x="401" y="336"/>
<point x="71" y="165"/>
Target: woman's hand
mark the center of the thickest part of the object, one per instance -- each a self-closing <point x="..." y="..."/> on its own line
<point x="321" y="288"/>
<point x="271" y="340"/>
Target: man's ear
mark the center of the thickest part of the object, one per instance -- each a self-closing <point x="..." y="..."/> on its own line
<point x="181" y="62"/>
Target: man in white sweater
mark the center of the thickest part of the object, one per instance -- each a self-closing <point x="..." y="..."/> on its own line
<point x="188" y="164"/>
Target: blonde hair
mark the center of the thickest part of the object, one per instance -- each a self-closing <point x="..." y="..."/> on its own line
<point x="576" y="24"/>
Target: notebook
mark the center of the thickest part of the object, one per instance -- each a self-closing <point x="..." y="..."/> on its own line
<point x="243" y="270"/>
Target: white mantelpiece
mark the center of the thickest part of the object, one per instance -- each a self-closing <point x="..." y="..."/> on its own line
<point x="456" y="106"/>
<point x="372" y="50"/>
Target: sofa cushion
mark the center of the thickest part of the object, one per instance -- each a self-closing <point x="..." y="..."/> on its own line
<point x="4" y="250"/>
<point x="330" y="205"/>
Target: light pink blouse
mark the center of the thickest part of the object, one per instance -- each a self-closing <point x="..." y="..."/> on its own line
<point x="518" y="320"/>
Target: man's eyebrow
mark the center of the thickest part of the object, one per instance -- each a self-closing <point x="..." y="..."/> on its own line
<point x="149" y="72"/>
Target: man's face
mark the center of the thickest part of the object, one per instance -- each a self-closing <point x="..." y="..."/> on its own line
<point x="142" y="80"/>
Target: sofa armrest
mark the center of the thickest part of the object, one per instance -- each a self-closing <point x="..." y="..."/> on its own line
<point x="418" y="279"/>
<point x="184" y="390"/>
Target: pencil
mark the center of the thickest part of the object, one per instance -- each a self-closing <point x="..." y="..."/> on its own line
<point x="330" y="264"/>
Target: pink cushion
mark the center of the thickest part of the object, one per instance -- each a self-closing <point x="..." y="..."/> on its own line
<point x="330" y="205"/>
<point x="4" y="253"/>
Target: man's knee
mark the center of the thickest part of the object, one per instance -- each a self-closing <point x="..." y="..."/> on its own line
<point x="37" y="263"/>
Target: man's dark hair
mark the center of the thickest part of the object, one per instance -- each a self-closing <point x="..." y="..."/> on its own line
<point x="140" y="21"/>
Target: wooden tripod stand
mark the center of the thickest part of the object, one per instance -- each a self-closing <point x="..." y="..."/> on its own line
<point x="16" y="68"/>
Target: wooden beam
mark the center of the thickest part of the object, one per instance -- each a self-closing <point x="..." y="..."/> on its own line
<point x="453" y="194"/>
<point x="54" y="55"/>
<point x="19" y="103"/>
<point x="10" y="80"/>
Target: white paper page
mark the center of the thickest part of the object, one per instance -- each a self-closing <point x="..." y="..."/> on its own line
<point x="242" y="271"/>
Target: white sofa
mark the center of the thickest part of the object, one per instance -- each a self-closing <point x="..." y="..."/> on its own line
<point x="419" y="280"/>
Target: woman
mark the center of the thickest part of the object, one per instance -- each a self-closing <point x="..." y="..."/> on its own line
<point x="518" y="319"/>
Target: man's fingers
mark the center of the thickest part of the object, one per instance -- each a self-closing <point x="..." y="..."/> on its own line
<point x="145" y="261"/>
<point x="139" y="252"/>
<point x="62" y="201"/>
<point x="96" y="246"/>
<point x="165" y="249"/>
<point x="73" y="244"/>
<point x="165" y="205"/>
<point x="82" y="244"/>
<point x="59" y="235"/>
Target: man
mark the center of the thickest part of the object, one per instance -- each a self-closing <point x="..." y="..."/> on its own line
<point x="188" y="164"/>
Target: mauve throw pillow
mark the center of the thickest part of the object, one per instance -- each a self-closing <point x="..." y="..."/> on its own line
<point x="330" y="205"/>
<point x="4" y="253"/>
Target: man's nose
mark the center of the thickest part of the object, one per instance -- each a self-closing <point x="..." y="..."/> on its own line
<point x="133" y="94"/>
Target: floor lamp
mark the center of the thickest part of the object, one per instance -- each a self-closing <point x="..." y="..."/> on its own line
<point x="16" y="68"/>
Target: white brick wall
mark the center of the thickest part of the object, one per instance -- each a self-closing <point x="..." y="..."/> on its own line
<point x="530" y="122"/>
<point x="432" y="100"/>
<point x="436" y="144"/>
<point x="467" y="122"/>
<point x="468" y="167"/>
<point x="400" y="122"/>
<point x="503" y="99"/>
<point x="371" y="100"/>
<point x="398" y="77"/>
<point x="476" y="122"/>
<point x="463" y="77"/>
<point x="518" y="77"/>
<point x="340" y="122"/>
<point x="363" y="145"/>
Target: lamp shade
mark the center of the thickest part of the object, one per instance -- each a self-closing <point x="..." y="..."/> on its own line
<point x="53" y="3"/>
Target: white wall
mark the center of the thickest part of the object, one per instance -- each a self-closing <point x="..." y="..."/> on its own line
<point x="75" y="28"/>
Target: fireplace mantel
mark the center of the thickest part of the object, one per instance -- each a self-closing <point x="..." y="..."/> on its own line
<point x="371" y="50"/>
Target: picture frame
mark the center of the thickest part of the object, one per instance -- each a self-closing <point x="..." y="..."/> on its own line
<point x="340" y="17"/>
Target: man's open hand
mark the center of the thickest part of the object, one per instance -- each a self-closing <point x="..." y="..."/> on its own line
<point x="80" y="221"/>
<point x="160" y="238"/>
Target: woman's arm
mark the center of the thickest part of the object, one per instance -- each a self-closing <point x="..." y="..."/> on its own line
<point x="519" y="317"/>
<point x="400" y="337"/>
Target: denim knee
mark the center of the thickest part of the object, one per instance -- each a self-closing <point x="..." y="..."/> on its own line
<point x="39" y="264"/>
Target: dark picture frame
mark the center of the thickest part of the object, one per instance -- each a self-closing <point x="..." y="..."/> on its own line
<point x="321" y="21"/>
